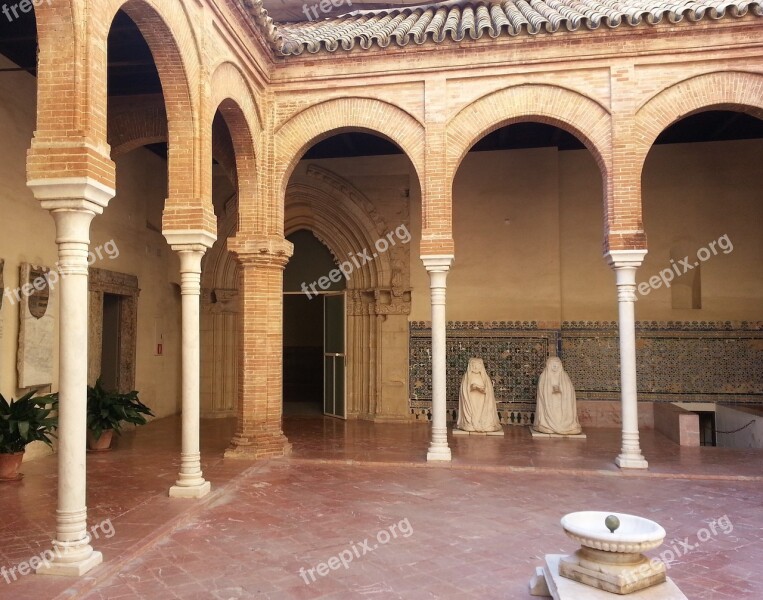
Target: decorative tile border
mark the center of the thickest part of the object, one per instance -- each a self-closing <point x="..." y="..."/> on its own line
<point x="693" y="361"/>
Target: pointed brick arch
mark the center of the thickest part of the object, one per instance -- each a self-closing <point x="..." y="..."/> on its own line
<point x="343" y="219"/>
<point x="329" y="118"/>
<point x="585" y="118"/>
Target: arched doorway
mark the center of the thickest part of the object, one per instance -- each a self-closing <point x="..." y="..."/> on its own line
<point x="352" y="192"/>
<point x="314" y="330"/>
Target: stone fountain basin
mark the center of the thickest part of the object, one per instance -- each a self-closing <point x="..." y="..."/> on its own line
<point x="635" y="534"/>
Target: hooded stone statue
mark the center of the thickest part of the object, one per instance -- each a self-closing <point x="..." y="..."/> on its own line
<point x="556" y="409"/>
<point x="476" y="401"/>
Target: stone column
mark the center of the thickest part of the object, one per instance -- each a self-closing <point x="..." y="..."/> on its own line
<point x="625" y="263"/>
<point x="259" y="431"/>
<point x="73" y="205"/>
<point x="190" y="246"/>
<point x="438" y="267"/>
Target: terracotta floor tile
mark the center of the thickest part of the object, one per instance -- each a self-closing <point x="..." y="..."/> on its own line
<point x="479" y="525"/>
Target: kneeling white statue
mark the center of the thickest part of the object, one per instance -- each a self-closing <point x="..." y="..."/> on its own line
<point x="556" y="410"/>
<point x="477" y="412"/>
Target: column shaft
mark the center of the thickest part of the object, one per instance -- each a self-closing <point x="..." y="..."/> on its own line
<point x="191" y="247"/>
<point x="72" y="553"/>
<point x="625" y="263"/>
<point x="438" y="267"/>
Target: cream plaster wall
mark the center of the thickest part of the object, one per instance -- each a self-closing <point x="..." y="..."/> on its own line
<point x="694" y="194"/>
<point x="27" y="233"/>
<point x="547" y="263"/>
<point x="506" y="230"/>
<point x="132" y="220"/>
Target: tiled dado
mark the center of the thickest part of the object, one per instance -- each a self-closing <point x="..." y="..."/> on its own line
<point x="514" y="354"/>
<point x="686" y="361"/>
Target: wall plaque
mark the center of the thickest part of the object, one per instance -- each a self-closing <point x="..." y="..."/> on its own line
<point x="36" y="327"/>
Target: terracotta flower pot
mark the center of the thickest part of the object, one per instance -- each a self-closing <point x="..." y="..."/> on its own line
<point x="9" y="466"/>
<point x="100" y="444"/>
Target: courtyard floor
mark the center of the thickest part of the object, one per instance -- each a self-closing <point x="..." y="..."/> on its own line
<point x="363" y="493"/>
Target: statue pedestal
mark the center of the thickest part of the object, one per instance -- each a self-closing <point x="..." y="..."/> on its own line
<point x="539" y="435"/>
<point x="483" y="433"/>
<point x="547" y="582"/>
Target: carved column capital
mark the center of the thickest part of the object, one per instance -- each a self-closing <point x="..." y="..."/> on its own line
<point x="262" y="251"/>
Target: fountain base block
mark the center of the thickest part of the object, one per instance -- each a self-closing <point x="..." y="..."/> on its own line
<point x="619" y="573"/>
<point x="563" y="588"/>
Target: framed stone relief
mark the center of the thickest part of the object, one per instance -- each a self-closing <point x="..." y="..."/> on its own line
<point x="36" y="327"/>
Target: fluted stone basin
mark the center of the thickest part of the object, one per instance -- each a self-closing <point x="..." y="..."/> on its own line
<point x="613" y="560"/>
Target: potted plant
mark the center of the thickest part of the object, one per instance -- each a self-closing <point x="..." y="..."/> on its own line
<point x="22" y="422"/>
<point x="107" y="411"/>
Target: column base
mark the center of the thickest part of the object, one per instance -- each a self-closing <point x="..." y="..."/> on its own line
<point x="259" y="446"/>
<point x="630" y="461"/>
<point x="439" y="454"/>
<point x="71" y="569"/>
<point x="190" y="491"/>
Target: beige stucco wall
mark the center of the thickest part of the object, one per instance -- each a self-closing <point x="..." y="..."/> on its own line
<point x="546" y="263"/>
<point x="27" y="233"/>
<point x="132" y="220"/>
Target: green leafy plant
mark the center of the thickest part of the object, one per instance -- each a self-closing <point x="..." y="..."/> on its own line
<point x="108" y="410"/>
<point x="26" y="420"/>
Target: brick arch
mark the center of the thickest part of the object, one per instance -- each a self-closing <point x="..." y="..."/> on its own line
<point x="233" y="97"/>
<point x="580" y="115"/>
<point x="170" y="36"/>
<point x="146" y="123"/>
<point x="731" y="90"/>
<point x="331" y="117"/>
<point x="137" y="125"/>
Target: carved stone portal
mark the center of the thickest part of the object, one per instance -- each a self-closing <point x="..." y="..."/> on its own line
<point x="102" y="282"/>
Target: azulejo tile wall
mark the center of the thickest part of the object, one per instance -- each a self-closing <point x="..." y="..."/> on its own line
<point x="677" y="361"/>
<point x="514" y="354"/>
<point x="697" y="361"/>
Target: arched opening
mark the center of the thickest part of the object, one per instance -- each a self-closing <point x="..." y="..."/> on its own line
<point x="220" y="283"/>
<point x="354" y="195"/>
<point x="527" y="226"/>
<point x="702" y="206"/>
<point x="134" y="298"/>
<point x="308" y="323"/>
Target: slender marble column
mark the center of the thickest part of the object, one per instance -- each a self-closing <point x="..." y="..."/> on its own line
<point x="73" y="203"/>
<point x="190" y="246"/>
<point x="625" y="263"/>
<point x="438" y="267"/>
